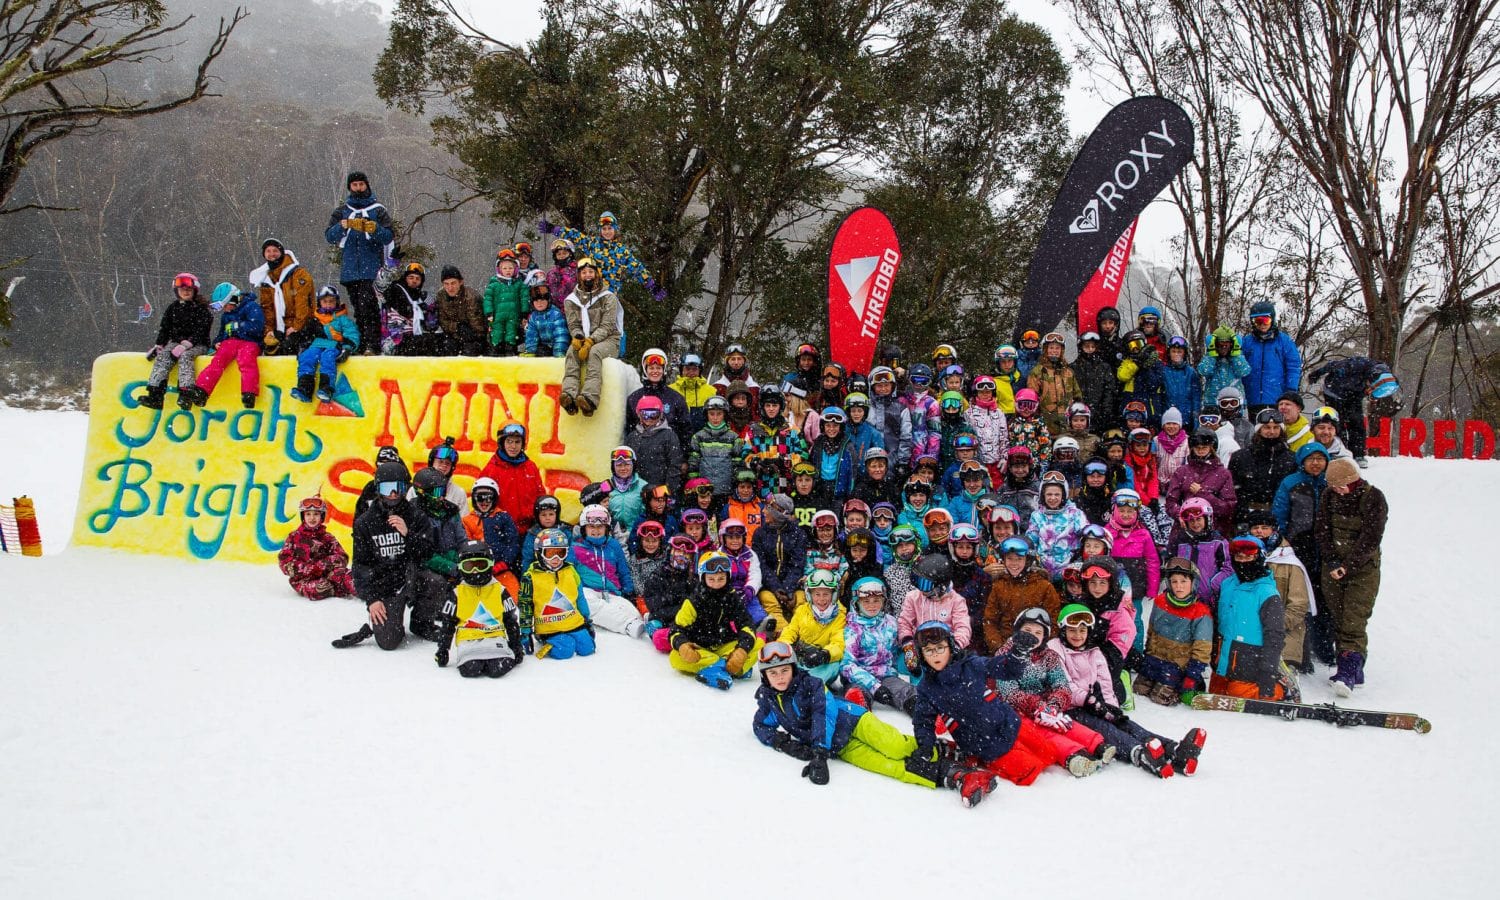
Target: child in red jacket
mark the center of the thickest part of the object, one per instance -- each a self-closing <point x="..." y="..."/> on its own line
<point x="313" y="559"/>
<point x="519" y="479"/>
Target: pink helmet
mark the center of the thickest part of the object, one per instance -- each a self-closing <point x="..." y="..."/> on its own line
<point x="1027" y="394"/>
<point x="1195" y="506"/>
<point x="648" y="403"/>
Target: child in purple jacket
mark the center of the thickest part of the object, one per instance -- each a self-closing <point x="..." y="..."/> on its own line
<point x="1196" y="539"/>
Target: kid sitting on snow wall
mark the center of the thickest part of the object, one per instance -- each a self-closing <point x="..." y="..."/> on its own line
<point x="796" y="715"/>
<point x="481" y="631"/>
<point x="242" y="327"/>
<point x="181" y="339"/>
<point x="338" y="337"/>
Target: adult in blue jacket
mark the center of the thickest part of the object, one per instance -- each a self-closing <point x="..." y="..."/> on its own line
<point x="361" y="228"/>
<point x="1275" y="362"/>
<point x="1184" y="385"/>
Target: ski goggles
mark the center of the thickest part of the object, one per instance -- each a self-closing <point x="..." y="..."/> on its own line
<point x="1243" y="546"/>
<point x="1209" y="420"/>
<point x="873" y="590"/>
<point x="1268" y="417"/>
<point x="923" y="584"/>
<point x="719" y="565"/>
<point x="1026" y="405"/>
<point x="776" y="653"/>
<point x="694" y="515"/>
<point x="1325" y="414"/>
<point x="1128" y="502"/>
<point x="919" y="380"/>
<point x="1092" y="572"/>
<point x="554" y="556"/>
<point x="185" y="281"/>
<point x="474" y="565"/>
<point x="883" y="516"/>
<point x="390" y="488"/>
<point x="447" y="453"/>
<point x="656" y="358"/>
<point x="1229" y="403"/>
<point x="622" y="455"/>
<point x="1053" y="337"/>
<point x="1081" y="619"/>
<point x="1260" y="320"/>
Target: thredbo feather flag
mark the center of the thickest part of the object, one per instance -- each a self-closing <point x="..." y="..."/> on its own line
<point x="861" y="270"/>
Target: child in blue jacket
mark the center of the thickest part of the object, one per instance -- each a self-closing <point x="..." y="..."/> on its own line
<point x="546" y="327"/>
<point x="242" y="327"/>
<point x="605" y="573"/>
<point x="796" y="715"/>
<point x="337" y="338"/>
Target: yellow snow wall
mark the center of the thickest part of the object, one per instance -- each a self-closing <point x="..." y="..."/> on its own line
<point x="224" y="482"/>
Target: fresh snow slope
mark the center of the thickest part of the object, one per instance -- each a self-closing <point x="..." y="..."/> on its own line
<point x="180" y="729"/>
<point x="41" y="456"/>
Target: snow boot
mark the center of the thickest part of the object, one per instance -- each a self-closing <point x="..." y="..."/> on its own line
<point x="1106" y="753"/>
<point x="1361" y="462"/>
<point x="325" y="388"/>
<point x="1359" y="668"/>
<point x="185" y="398"/>
<point x="198" y="396"/>
<point x="716" y="676"/>
<point x="857" y="696"/>
<point x="972" y="783"/>
<point x="248" y="400"/>
<point x="303" y="392"/>
<point x="354" y="638"/>
<point x="975" y="786"/>
<point x="1343" y="680"/>
<point x="1080" y="765"/>
<point x="1165" y="695"/>
<point x="1152" y="757"/>
<point x="568" y="404"/>
<point x="1185" y="752"/>
<point x="152" y="399"/>
<point x="586" y="406"/>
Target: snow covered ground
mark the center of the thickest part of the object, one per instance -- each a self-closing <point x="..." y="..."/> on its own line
<point x="183" y="729"/>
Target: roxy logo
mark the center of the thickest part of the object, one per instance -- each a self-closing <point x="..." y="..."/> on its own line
<point x="867" y="279"/>
<point x="1126" y="177"/>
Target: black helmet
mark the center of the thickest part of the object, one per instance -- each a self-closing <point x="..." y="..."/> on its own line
<point x="1178" y="565"/>
<point x="1035" y="615"/>
<point x="430" y="483"/>
<point x="476" y="574"/>
<point x="771" y="394"/>
<point x="1109" y="314"/>
<point x="391" y="471"/>
<point x="1135" y="341"/>
<point x="1204" y="436"/>
<point x="546" y="501"/>
<point x="935" y="571"/>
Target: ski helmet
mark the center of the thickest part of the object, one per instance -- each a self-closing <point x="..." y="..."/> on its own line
<point x="822" y="578"/>
<point x="776" y="653"/>
<point x="932" y="574"/>
<point x="1016" y="545"/>
<point x="1195" y="506"/>
<point x="552" y="548"/>
<point x="1034" y="615"/>
<point x="476" y="565"/>
<point x="187" y="280"/>
<point x="869" y="586"/>
<point x="546" y="501"/>
<point x="1178" y="565"/>
<point x="714" y="562"/>
<point x="485" y="487"/>
<point x="594" y="514"/>
<point x="920" y="375"/>
<point x="430" y="485"/>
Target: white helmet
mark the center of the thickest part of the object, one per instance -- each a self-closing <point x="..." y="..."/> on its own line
<point x="594" y="514"/>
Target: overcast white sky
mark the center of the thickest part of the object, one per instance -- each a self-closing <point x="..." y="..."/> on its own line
<point x="516" y="21"/>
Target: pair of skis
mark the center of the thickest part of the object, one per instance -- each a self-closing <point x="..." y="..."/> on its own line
<point x="1323" y="712"/>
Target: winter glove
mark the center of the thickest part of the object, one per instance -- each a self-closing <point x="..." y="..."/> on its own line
<point x="441" y="656"/>
<point x="657" y="291"/>
<point x="350" y="224"/>
<point x="1049" y="716"/>
<point x="507" y="664"/>
<point x="344" y="351"/>
<point x="1097" y="705"/>
<point x="1133" y="659"/>
<point x="576" y="345"/>
<point x="735" y="664"/>
<point x="546" y="227"/>
<point x="584" y="348"/>
<point x="1237" y="351"/>
<point x="785" y="743"/>
<point x="811" y="655"/>
<point x="1023" y="643"/>
<point x="151" y="354"/>
<point x="1195" y="677"/>
<point x="366" y="225"/>
<point x="883" y="695"/>
<point x="816" y="769"/>
<point x="911" y="658"/>
<point x="688" y="652"/>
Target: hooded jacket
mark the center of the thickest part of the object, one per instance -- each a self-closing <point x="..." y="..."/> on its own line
<point x="807" y="712"/>
<point x="1217" y="488"/>
<point x="1298" y="497"/>
<point x="363" y="253"/>
<point x="1135" y="549"/>
<point x="1258" y="470"/>
<point x="658" y="455"/>
<point x="1275" y="365"/>
<point x="602" y="565"/>
<point x="1085" y="668"/>
<point x="782" y="548"/>
<point x="985" y="725"/>
<point x="712" y="618"/>
<point x="186" y="320"/>
<point x="520" y="484"/>
<point x="1011" y="594"/>
<point x="869" y="649"/>
<point x="384" y="553"/>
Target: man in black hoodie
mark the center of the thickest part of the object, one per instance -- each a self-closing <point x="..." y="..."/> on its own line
<point x="1259" y="467"/>
<point x="391" y="539"/>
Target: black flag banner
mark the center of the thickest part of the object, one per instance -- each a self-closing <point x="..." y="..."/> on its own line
<point x="1134" y="153"/>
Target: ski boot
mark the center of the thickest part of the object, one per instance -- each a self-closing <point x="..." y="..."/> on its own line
<point x="1152" y="757"/>
<point x="568" y="404"/>
<point x="325" y="388"/>
<point x="716" y="676"/>
<point x="586" y="406"/>
<point x="152" y="399"/>
<point x="1165" y="695"/>
<point x="248" y="400"/>
<point x="973" y="785"/>
<point x="1344" y="679"/>
<point x="1361" y="462"/>
<point x="303" y="392"/>
<point x="354" y="638"/>
<point x="1080" y="765"/>
<point x="1185" y="752"/>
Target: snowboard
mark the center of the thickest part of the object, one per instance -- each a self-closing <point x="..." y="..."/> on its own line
<point x="1323" y="712"/>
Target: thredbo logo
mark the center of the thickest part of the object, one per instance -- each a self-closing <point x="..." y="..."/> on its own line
<point x="1127" y="176"/>
<point x="868" y="281"/>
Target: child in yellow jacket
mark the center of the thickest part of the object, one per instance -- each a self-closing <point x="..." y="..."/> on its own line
<point x="816" y="630"/>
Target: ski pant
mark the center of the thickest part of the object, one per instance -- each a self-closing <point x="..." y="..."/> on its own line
<point x="336" y="583"/>
<point x="879" y="747"/>
<point x="161" y="367"/>
<point x="366" y="315"/>
<point x="318" y="358"/>
<point x="1352" y="423"/>
<point x="707" y="656"/>
<point x="371" y="585"/>
<point x="566" y="645"/>
<point x="614" y="613"/>
<point x="491" y="668"/>
<point x="1218" y="684"/>
<point x="593" y="379"/>
<point x="1296" y="631"/>
<point x="1348" y="603"/>
<point x="503" y="333"/>
<point x="1032" y="752"/>
<point x="245" y="353"/>
<point x="1124" y="737"/>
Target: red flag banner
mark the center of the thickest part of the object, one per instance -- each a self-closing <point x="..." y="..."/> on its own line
<point x="861" y="270"/>
<point x="1104" y="287"/>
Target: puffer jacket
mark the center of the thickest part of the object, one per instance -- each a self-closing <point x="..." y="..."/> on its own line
<point x="869" y="649"/>
<point x="1219" y="373"/>
<point x="1085" y="668"/>
<point x="1351" y="527"/>
<point x="1042" y="681"/>
<point x="561" y="280"/>
<point x="782" y="553"/>
<point x="245" y="322"/>
<point x="1098" y="387"/>
<point x="363" y="253"/>
<point x="1218" y="488"/>
<point x="807" y="712"/>
<point x="917" y="608"/>
<point x="1184" y="388"/>
<point x="926" y="418"/>
<point x="1056" y="387"/>
<point x="505" y="301"/>
<point x="310" y="554"/>
<point x="1251" y="629"/>
<point x="894" y="422"/>
<point x="1056" y="534"/>
<point x="185" y="320"/>
<point x="1257" y="471"/>
<point x="1275" y="366"/>
<point x="1135" y="549"/>
<point x="658" y="455"/>
<point x="520" y="485"/>
<point x="1297" y="499"/>
<point x="1033" y="435"/>
<point x="666" y="590"/>
<point x="602" y="565"/>
<point x="1209" y="552"/>
<point x="1114" y="620"/>
<point x="712" y="618"/>
<point x="1006" y="385"/>
<point x="1008" y="596"/>
<point x="713" y="453"/>
<point x="1143" y="378"/>
<point x="1181" y="642"/>
<point x="826" y="630"/>
<point x="986" y="726"/>
<point x="990" y="427"/>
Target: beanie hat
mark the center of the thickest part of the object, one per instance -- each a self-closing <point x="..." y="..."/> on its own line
<point x="1341" y="472"/>
<point x="1293" y="397"/>
<point x="272" y="242"/>
<point x="451" y="272"/>
<point x="1171" y="416"/>
<point x="355" y="176"/>
<point x="387" y="454"/>
<point x="784" y="504"/>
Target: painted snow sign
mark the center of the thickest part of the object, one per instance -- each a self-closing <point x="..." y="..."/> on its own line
<point x="1436" y="438"/>
<point x="222" y="482"/>
<point x="861" y="270"/>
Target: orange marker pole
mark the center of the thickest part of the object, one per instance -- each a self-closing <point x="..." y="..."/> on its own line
<point x="31" y="536"/>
